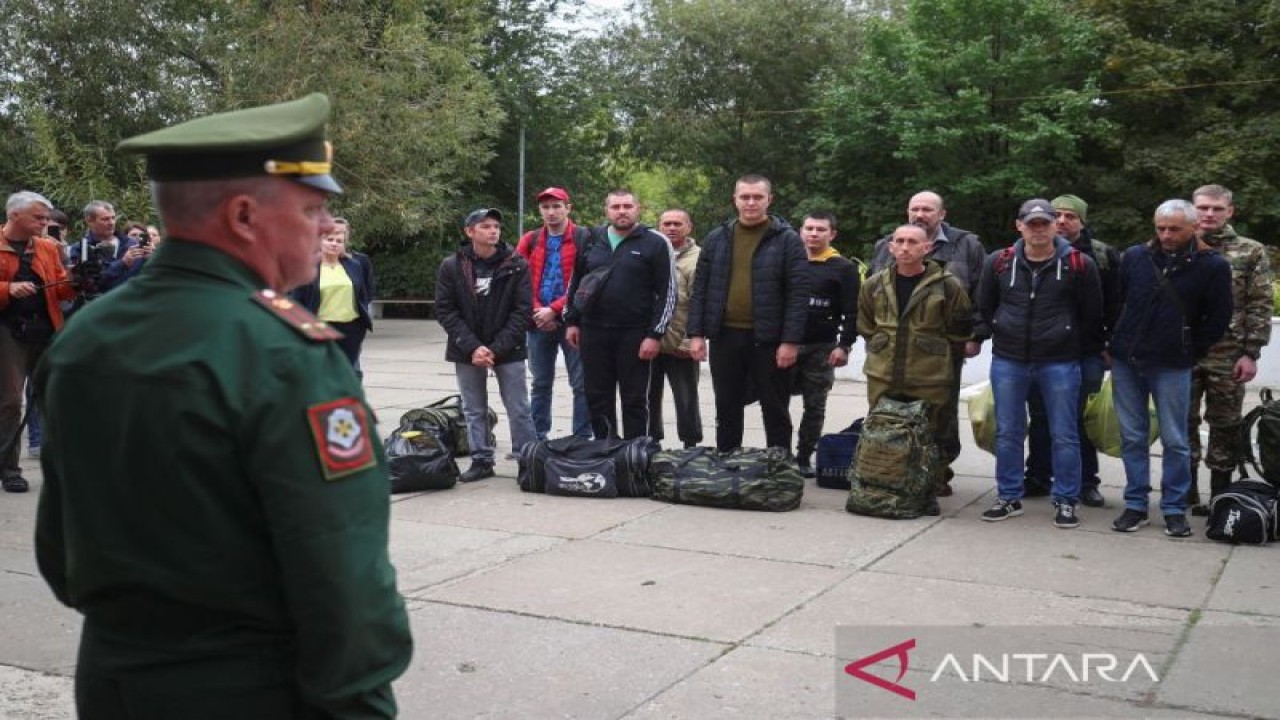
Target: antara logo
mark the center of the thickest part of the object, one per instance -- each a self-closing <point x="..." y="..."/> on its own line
<point x="1007" y="668"/>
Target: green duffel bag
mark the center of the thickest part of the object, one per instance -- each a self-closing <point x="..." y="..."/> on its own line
<point x="897" y="467"/>
<point x="742" y="479"/>
<point x="446" y="414"/>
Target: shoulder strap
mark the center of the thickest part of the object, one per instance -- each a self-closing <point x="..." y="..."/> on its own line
<point x="1076" y="260"/>
<point x="1244" y="441"/>
<point x="296" y="316"/>
<point x="1002" y="260"/>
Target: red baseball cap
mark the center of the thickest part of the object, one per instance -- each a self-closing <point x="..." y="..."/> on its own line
<point x="553" y="193"/>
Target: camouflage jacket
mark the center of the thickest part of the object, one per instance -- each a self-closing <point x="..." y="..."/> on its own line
<point x="1251" y="278"/>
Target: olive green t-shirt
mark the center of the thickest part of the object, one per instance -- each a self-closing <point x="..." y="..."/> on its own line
<point x="738" y="308"/>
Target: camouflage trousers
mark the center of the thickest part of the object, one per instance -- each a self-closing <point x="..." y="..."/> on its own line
<point x="1223" y="401"/>
<point x="814" y="378"/>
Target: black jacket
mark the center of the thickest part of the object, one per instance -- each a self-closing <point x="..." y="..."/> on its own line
<point x="360" y="270"/>
<point x="833" y="302"/>
<point x="1108" y="261"/>
<point x="1050" y="315"/>
<point x="1153" y="328"/>
<point x="641" y="289"/>
<point x="779" y="284"/>
<point x="498" y="321"/>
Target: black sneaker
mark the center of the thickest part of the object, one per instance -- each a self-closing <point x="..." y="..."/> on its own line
<point x="1200" y="510"/>
<point x="806" y="469"/>
<point x="932" y="508"/>
<point x="1003" y="510"/>
<point x="1092" y="497"/>
<point x="478" y="471"/>
<point x="1176" y="526"/>
<point x="1129" y="521"/>
<point x="1065" y="516"/>
<point x="15" y="484"/>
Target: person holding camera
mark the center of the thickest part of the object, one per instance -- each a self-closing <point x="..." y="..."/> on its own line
<point x="33" y="282"/>
<point x="118" y="272"/>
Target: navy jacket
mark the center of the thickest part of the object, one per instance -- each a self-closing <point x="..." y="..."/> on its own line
<point x="1153" y="329"/>
<point x="360" y="270"/>
<point x="1050" y="315"/>
<point x="779" y="285"/>
<point x="641" y="289"/>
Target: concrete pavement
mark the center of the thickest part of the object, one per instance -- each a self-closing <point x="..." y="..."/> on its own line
<point x="528" y="606"/>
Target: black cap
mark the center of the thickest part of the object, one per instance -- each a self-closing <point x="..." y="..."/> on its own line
<point x="476" y="216"/>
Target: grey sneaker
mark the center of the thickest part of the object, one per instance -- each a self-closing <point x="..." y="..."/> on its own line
<point x="1065" y="516"/>
<point x="1003" y="510"/>
<point x="1129" y="521"/>
<point x="1176" y="526"/>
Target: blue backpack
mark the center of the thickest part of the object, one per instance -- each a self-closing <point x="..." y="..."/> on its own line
<point x="835" y="456"/>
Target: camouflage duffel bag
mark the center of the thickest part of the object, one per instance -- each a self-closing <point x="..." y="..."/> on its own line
<point x="742" y="479"/>
<point x="446" y="414"/>
<point x="589" y="468"/>
<point x="897" y="466"/>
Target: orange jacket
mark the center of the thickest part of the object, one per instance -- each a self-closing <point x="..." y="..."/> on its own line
<point x="47" y="265"/>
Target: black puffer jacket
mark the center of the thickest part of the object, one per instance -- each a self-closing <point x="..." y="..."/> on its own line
<point x="498" y="320"/>
<point x="1053" y="314"/>
<point x="779" y="284"/>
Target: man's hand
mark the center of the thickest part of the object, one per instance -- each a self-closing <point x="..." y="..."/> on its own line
<point x="698" y="349"/>
<point x="571" y="336"/>
<point x="22" y="289"/>
<point x="544" y="318"/>
<point x="838" y="357"/>
<point x="785" y="357"/>
<point x="972" y="348"/>
<point x="482" y="357"/>
<point x="649" y="348"/>
<point x="136" y="253"/>
<point x="1245" y="370"/>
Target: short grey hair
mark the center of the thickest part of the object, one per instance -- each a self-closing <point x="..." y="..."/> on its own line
<point x="94" y="206"/>
<point x="191" y="201"/>
<point x="24" y="199"/>
<point x="1169" y="208"/>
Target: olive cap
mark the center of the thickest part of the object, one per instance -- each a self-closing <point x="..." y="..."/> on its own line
<point x="283" y="140"/>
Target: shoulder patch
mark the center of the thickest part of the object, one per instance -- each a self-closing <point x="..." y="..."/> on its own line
<point x="340" y="429"/>
<point x="296" y="316"/>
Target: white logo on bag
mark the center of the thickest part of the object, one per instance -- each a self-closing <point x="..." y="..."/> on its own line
<point x="586" y="483"/>
<point x="1233" y="516"/>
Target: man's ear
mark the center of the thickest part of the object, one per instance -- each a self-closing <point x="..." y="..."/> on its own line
<point x="240" y="215"/>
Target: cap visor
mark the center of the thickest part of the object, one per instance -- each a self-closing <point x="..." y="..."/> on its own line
<point x="319" y="182"/>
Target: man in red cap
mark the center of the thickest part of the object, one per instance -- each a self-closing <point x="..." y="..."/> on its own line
<point x="551" y="251"/>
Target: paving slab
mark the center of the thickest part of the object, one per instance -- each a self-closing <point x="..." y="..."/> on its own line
<point x="498" y="504"/>
<point x="1228" y="665"/>
<point x="1250" y="583"/>
<point x="472" y="663"/>
<point x="673" y="592"/>
<point x="806" y="535"/>
<point x="31" y="695"/>
<point x="1137" y="567"/>
<point x="875" y="598"/>
<point x="425" y="554"/>
<point x="39" y="632"/>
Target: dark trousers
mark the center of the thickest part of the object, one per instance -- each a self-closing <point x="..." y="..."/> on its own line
<point x="352" y="340"/>
<point x="814" y="378"/>
<point x="612" y="369"/>
<point x="738" y="365"/>
<point x="683" y="374"/>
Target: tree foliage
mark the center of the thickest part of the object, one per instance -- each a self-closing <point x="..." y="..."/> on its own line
<point x="983" y="101"/>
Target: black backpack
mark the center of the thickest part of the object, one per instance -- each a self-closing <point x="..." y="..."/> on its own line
<point x="1267" y="419"/>
<point x="1245" y="513"/>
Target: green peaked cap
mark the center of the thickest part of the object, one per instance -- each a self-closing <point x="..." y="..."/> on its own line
<point x="284" y="140"/>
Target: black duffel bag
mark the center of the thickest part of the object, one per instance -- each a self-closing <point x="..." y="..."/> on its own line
<point x="419" y="458"/>
<point x="589" y="468"/>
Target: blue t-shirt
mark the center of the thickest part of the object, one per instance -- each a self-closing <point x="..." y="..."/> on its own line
<point x="552" y="285"/>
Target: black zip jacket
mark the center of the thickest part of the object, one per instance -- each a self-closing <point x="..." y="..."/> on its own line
<point x="1053" y="314"/>
<point x="833" y="302"/>
<point x="499" y="320"/>
<point x="779" y="284"/>
<point x="1153" y="329"/>
<point x="641" y="289"/>
<point x="1108" y="274"/>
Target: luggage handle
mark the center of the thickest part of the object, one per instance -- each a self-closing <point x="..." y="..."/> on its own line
<point x="455" y="399"/>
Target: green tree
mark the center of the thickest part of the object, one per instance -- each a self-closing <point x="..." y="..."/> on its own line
<point x="1193" y="90"/>
<point x="983" y="101"/>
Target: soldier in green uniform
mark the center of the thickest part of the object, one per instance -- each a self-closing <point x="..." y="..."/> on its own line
<point x="214" y="500"/>
<point x="1220" y="376"/>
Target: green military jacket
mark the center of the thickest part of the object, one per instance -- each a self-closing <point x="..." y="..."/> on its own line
<point x="215" y="500"/>
<point x="916" y="348"/>
<point x="1251" y="278"/>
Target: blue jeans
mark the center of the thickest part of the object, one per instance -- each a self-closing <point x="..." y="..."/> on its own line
<point x="33" y="416"/>
<point x="1039" y="452"/>
<point x="542" y="365"/>
<point x="1170" y="388"/>
<point x="473" y="386"/>
<point x="1059" y="384"/>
